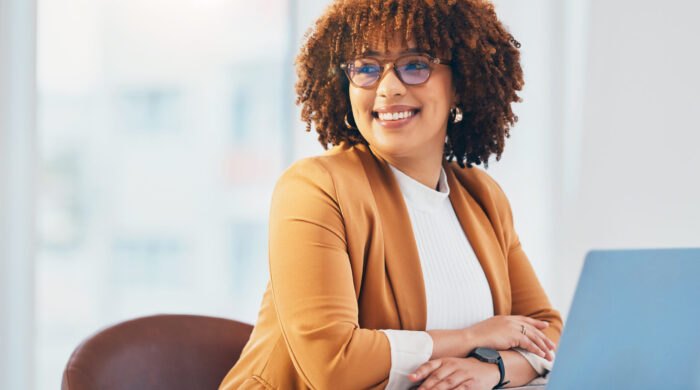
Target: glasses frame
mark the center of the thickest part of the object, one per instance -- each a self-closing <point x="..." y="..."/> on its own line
<point x="382" y="63"/>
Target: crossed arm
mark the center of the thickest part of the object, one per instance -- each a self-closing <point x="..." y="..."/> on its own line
<point x="461" y="373"/>
<point x="448" y="369"/>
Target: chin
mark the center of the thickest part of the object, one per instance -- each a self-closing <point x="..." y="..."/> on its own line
<point x="393" y="148"/>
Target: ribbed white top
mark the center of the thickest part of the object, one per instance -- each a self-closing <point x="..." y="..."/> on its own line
<point x="456" y="289"/>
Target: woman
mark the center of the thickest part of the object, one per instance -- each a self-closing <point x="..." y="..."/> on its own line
<point x="392" y="258"/>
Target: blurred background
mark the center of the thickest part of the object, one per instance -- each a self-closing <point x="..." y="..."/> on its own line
<point x="140" y="141"/>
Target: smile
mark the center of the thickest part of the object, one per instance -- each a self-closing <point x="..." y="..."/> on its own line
<point x="394" y="116"/>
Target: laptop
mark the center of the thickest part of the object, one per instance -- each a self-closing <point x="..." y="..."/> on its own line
<point x="634" y="323"/>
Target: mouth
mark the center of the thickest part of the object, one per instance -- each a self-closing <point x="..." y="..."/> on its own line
<point x="393" y="117"/>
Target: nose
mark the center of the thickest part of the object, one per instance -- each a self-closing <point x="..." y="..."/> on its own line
<point x="390" y="85"/>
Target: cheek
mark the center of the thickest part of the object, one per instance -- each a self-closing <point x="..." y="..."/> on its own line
<point x="440" y="90"/>
<point x="359" y="103"/>
<point x="439" y="105"/>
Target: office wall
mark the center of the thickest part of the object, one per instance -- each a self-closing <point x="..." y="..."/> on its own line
<point x="634" y="171"/>
<point x="17" y="185"/>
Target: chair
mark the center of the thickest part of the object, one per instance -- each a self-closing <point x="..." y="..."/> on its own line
<point x="157" y="352"/>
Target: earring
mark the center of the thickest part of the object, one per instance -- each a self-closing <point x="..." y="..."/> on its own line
<point x="456" y="114"/>
<point x="347" y="123"/>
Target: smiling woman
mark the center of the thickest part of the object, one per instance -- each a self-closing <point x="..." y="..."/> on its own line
<point x="393" y="260"/>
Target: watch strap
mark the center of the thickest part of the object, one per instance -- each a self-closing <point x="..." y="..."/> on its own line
<point x="502" y="371"/>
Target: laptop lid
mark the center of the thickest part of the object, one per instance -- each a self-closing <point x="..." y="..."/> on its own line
<point x="634" y="323"/>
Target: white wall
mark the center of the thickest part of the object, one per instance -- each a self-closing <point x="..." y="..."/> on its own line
<point x="604" y="153"/>
<point x="525" y="171"/>
<point x="636" y="183"/>
<point x="17" y="140"/>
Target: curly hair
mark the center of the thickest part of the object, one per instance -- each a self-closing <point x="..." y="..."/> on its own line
<point x="485" y="63"/>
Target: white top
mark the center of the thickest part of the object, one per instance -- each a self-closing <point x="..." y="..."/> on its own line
<point x="456" y="289"/>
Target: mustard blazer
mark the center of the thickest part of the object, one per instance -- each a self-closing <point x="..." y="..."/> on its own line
<point x="344" y="263"/>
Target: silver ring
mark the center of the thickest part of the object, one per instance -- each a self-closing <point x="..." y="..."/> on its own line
<point x="522" y="329"/>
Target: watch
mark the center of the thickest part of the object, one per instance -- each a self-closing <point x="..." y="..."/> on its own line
<point x="488" y="355"/>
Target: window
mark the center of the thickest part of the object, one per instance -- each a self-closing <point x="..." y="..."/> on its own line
<point x="162" y="129"/>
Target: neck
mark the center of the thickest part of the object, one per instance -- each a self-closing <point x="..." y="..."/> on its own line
<point x="425" y="170"/>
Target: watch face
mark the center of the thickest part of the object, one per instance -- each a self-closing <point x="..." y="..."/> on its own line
<point x="487" y="355"/>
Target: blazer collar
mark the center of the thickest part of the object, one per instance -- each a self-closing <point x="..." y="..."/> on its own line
<point x="479" y="231"/>
<point x="400" y="250"/>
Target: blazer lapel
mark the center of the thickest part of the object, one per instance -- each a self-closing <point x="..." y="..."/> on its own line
<point x="483" y="240"/>
<point x="400" y="250"/>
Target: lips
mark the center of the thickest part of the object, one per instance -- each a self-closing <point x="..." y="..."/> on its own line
<point x="395" y="117"/>
<point x="395" y="112"/>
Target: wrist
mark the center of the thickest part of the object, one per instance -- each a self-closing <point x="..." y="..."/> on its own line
<point x="492" y="357"/>
<point x="493" y="373"/>
<point x="468" y="341"/>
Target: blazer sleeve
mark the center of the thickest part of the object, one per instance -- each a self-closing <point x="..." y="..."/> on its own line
<point x="527" y="295"/>
<point x="313" y="288"/>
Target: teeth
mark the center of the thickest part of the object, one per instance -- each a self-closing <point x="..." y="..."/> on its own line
<point x="388" y="116"/>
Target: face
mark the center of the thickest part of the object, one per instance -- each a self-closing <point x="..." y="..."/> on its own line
<point x="420" y="135"/>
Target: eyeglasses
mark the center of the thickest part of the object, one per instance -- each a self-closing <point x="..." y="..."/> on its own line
<point x="411" y="69"/>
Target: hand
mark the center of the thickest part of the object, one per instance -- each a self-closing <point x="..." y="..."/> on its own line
<point x="456" y="373"/>
<point x="505" y="332"/>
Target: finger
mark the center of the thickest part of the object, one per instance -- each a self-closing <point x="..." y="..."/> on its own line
<point x="436" y="377"/>
<point x="531" y="331"/>
<point x="530" y="321"/>
<point x="448" y="383"/>
<point x="536" y="323"/>
<point x="539" y="341"/>
<point x="454" y="380"/>
<point x="535" y="335"/>
<point x="466" y="385"/>
<point x="425" y="369"/>
<point x="527" y="344"/>
<point x="547" y="340"/>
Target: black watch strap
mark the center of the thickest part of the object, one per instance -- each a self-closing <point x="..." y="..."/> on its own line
<point x="489" y="355"/>
<point x="502" y="370"/>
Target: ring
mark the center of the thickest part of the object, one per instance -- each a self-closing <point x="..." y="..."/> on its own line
<point x="523" y="330"/>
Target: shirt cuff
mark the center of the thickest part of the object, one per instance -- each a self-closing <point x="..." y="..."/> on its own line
<point x="541" y="365"/>
<point x="409" y="349"/>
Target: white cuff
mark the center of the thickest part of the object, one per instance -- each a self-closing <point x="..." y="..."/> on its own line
<point x="541" y="365"/>
<point x="409" y="349"/>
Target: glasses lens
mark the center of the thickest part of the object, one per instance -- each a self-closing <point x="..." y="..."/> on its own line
<point x="364" y="71"/>
<point x="413" y="69"/>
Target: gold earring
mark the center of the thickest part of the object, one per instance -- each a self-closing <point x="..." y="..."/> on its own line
<point x="347" y="123"/>
<point x="456" y="114"/>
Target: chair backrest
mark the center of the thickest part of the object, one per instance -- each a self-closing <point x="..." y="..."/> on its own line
<point x="158" y="352"/>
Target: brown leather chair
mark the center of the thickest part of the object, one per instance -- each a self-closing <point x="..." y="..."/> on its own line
<point x="157" y="352"/>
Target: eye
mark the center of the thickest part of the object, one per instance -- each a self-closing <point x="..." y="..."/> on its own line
<point x="415" y="65"/>
<point x="367" y="68"/>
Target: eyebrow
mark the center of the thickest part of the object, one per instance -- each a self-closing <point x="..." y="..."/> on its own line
<point x="376" y="53"/>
